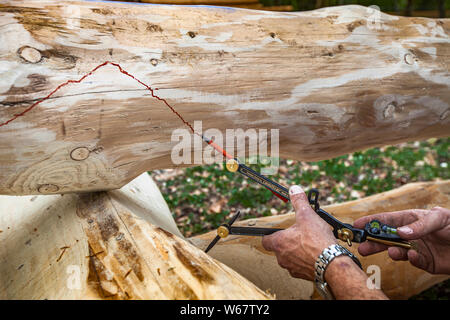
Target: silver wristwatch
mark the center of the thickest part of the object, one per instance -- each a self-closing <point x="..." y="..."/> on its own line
<point x="327" y="255"/>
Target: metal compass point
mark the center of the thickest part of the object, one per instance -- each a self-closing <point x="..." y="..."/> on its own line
<point x="221" y="233"/>
<point x="226" y="229"/>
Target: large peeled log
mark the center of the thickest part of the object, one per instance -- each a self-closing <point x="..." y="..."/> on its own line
<point x="124" y="244"/>
<point x="399" y="280"/>
<point x="330" y="80"/>
<point x="121" y="244"/>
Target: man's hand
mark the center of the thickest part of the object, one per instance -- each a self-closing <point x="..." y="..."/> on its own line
<point x="298" y="247"/>
<point x="431" y="229"/>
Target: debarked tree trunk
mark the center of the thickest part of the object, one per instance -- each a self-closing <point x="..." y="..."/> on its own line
<point x="124" y="244"/>
<point x="332" y="81"/>
<point x="121" y="244"/>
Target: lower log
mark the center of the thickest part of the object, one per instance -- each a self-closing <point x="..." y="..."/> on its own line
<point x="399" y="280"/>
<point x="124" y="244"/>
<point x="121" y="244"/>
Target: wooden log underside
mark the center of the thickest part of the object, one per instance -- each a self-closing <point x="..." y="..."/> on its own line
<point x="327" y="80"/>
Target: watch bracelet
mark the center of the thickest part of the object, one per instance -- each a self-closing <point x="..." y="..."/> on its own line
<point x="322" y="262"/>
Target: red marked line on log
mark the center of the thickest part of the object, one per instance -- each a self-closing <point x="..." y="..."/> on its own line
<point x="87" y="75"/>
<point x="152" y="91"/>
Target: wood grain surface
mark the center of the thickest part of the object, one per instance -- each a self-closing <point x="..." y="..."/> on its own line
<point x="329" y="80"/>
<point x="121" y="244"/>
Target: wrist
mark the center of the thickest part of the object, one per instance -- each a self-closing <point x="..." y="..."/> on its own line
<point x="322" y="264"/>
<point x="347" y="281"/>
<point x="336" y="267"/>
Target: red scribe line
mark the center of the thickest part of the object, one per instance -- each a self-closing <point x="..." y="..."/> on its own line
<point x="208" y="141"/>
<point x="87" y="75"/>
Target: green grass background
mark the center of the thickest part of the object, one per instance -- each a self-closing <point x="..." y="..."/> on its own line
<point x="397" y="6"/>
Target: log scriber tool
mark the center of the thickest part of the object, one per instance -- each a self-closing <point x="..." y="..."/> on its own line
<point x="373" y="230"/>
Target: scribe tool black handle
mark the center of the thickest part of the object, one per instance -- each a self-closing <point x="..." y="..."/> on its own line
<point x="233" y="165"/>
<point x="343" y="231"/>
<point x="252" y="231"/>
<point x="226" y="229"/>
<point x="374" y="231"/>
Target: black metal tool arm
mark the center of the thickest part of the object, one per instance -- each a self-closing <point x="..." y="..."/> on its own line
<point x="226" y="229"/>
<point x="344" y="231"/>
<point x="252" y="231"/>
<point x="340" y="229"/>
<point x="373" y="230"/>
<point x="280" y="191"/>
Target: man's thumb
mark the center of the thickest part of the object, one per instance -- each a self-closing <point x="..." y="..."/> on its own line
<point x="299" y="201"/>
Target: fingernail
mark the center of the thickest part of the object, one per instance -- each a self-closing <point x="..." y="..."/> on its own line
<point x="295" y="190"/>
<point x="406" y="230"/>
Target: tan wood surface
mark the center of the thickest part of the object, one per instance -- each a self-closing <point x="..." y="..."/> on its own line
<point x="121" y="244"/>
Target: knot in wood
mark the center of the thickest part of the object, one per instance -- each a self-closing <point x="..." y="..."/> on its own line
<point x="409" y="58"/>
<point x="30" y="54"/>
<point x="79" y="154"/>
<point x="48" y="188"/>
<point x="154" y="62"/>
<point x="389" y="110"/>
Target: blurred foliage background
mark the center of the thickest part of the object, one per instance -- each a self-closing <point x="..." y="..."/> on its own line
<point x="400" y="7"/>
<point x="422" y="8"/>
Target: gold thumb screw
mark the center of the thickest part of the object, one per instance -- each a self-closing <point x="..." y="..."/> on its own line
<point x="232" y="165"/>
<point x="345" y="234"/>
<point x="222" y="231"/>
